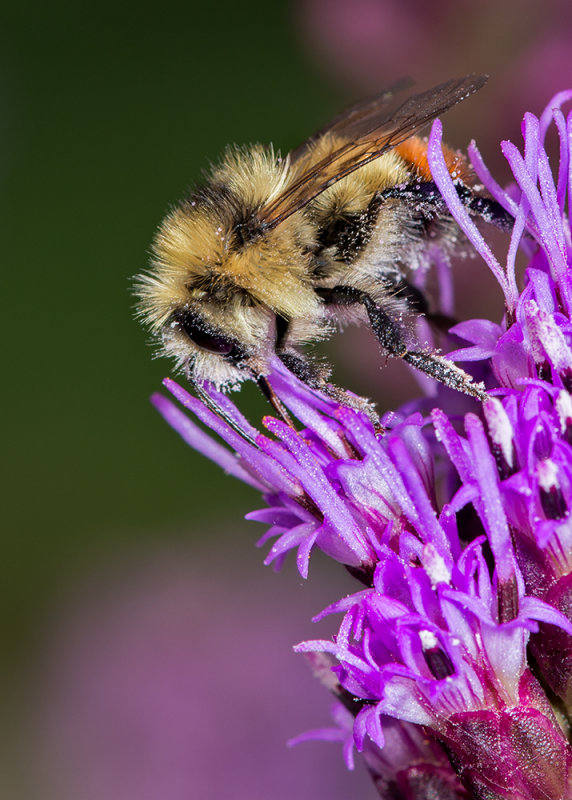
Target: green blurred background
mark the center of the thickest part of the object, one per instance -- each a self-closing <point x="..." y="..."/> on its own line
<point x="107" y="113"/>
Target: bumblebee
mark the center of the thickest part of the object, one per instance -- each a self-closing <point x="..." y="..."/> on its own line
<point x="272" y="253"/>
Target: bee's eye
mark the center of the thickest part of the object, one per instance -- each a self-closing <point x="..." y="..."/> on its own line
<point x="212" y="343"/>
<point x="202" y="337"/>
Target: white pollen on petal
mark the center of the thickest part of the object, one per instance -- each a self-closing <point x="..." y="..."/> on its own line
<point x="550" y="336"/>
<point x="564" y="409"/>
<point x="500" y="427"/>
<point x="547" y="474"/>
<point x="428" y="640"/>
<point x="435" y="566"/>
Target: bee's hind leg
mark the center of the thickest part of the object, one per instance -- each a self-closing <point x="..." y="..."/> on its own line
<point x="444" y="371"/>
<point x="417" y="302"/>
<point x="390" y="335"/>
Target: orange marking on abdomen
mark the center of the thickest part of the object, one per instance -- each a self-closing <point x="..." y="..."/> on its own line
<point x="414" y="152"/>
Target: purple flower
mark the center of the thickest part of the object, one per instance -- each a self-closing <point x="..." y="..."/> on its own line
<point x="452" y="665"/>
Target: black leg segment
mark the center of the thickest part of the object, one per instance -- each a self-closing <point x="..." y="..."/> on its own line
<point x="274" y="400"/>
<point x="390" y="335"/>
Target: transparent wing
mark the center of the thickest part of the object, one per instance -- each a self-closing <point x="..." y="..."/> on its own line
<point x="370" y="129"/>
<point x="356" y="120"/>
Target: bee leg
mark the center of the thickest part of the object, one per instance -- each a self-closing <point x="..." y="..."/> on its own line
<point x="274" y="400"/>
<point x="298" y="365"/>
<point x="306" y="372"/>
<point x="390" y="335"/>
<point x="413" y="297"/>
<point x="445" y="371"/>
<point x="486" y="208"/>
<point x="416" y="301"/>
<point x="315" y="378"/>
<point x="302" y="369"/>
<point x="282" y="325"/>
<point x="220" y="412"/>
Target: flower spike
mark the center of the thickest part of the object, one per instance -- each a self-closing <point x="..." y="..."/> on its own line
<point x="451" y="669"/>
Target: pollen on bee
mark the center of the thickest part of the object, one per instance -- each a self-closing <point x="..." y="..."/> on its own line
<point x="298" y="226"/>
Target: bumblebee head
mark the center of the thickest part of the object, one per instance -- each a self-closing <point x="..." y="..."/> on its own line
<point x="214" y="332"/>
<point x="222" y="345"/>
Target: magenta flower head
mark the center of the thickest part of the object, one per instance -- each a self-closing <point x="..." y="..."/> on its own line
<point x="452" y="666"/>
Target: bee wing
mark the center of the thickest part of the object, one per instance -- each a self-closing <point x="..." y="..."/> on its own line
<point x="370" y="130"/>
<point x="364" y="114"/>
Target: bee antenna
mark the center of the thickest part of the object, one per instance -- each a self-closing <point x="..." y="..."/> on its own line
<point x="222" y="413"/>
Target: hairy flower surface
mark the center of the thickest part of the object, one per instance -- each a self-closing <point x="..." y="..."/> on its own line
<point x="452" y="666"/>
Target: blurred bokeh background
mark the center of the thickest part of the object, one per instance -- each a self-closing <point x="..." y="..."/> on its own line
<point x="125" y="562"/>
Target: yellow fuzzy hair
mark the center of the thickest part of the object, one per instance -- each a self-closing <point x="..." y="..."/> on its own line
<point x="352" y="194"/>
<point x="193" y="243"/>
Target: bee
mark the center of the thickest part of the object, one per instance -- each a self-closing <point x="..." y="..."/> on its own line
<point x="273" y="253"/>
